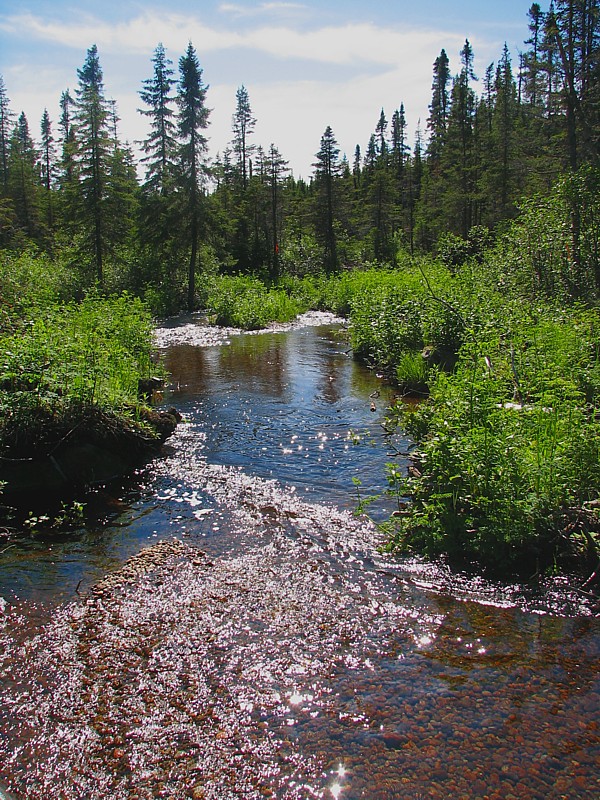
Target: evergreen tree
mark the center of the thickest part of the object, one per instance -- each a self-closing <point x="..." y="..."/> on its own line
<point x="399" y="148"/>
<point x="415" y="179"/>
<point x="532" y="60"/>
<point x="121" y="207"/>
<point x="381" y="197"/>
<point x="277" y="167"/>
<point x="92" y="157"/>
<point x="23" y="183"/>
<point x="549" y="65"/>
<point x="192" y="121"/>
<point x="575" y="27"/>
<point x="356" y="167"/>
<point x="326" y="172"/>
<point x="459" y="154"/>
<point x="67" y="130"/>
<point x="440" y="105"/>
<point x="48" y="164"/>
<point x="501" y="187"/>
<point x="370" y="160"/>
<point x="380" y="133"/>
<point x="243" y="126"/>
<point x="6" y="120"/>
<point x="159" y="207"/>
<point x="47" y="152"/>
<point x="160" y="145"/>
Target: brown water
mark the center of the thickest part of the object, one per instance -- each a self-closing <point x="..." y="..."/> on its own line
<point x="272" y="651"/>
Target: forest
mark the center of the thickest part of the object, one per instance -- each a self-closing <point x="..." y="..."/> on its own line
<point x="467" y="262"/>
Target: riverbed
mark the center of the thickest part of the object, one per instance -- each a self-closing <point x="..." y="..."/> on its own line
<point x="226" y="625"/>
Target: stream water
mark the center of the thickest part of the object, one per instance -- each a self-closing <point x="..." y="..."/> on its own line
<point x="260" y="645"/>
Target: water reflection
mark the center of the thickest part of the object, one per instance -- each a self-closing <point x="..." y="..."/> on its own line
<point x="287" y="406"/>
<point x="294" y="660"/>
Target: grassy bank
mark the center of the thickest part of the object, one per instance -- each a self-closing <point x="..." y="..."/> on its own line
<point x="65" y="364"/>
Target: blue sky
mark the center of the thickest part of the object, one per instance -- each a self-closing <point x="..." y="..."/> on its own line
<point x="305" y="64"/>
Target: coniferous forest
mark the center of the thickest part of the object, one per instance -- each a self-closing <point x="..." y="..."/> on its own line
<point x="467" y="262"/>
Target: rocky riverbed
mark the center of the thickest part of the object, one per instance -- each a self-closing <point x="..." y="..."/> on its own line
<point x="263" y="646"/>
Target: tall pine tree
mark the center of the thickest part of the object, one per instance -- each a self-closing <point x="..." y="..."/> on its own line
<point x="92" y="157"/>
<point x="192" y="121"/>
<point x="326" y="173"/>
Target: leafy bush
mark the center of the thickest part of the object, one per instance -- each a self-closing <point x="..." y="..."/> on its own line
<point x="553" y="247"/>
<point x="245" y="302"/>
<point x="89" y="353"/>
<point x="508" y="447"/>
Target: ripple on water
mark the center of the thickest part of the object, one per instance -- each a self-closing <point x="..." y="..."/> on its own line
<point x="290" y="659"/>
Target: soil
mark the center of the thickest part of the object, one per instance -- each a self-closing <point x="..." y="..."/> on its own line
<point x="79" y="446"/>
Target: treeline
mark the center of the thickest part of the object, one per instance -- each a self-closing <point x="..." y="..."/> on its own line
<point x="75" y="192"/>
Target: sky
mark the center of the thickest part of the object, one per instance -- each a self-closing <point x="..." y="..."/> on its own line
<point x="306" y="64"/>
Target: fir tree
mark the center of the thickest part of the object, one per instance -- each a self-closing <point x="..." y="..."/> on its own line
<point x="326" y="173"/>
<point x="6" y="120"/>
<point x="277" y="167"/>
<point x="192" y="121"/>
<point x="93" y="150"/>
<point x="440" y="105"/>
<point x="243" y="126"/>
<point x="23" y="181"/>
<point x="48" y="164"/>
<point x="160" y="145"/>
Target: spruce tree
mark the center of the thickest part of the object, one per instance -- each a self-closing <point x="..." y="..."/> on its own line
<point x="356" y="167"/>
<point x="67" y="130"/>
<point x="399" y="148"/>
<point x="192" y="121"/>
<point x="380" y="133"/>
<point x="440" y="106"/>
<point x="47" y="150"/>
<point x="277" y="167"/>
<point x="93" y="150"/>
<point x="501" y="161"/>
<point x="159" y="147"/>
<point x="47" y="165"/>
<point x="243" y="126"/>
<point x="575" y="28"/>
<point x="23" y="183"/>
<point x="458" y="159"/>
<point x="533" y="72"/>
<point x="326" y="173"/>
<point x="6" y="121"/>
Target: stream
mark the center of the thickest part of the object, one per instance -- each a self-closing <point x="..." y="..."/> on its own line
<point x="226" y="626"/>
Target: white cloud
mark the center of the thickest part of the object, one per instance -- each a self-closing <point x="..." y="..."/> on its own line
<point x="343" y="44"/>
<point x="385" y="66"/>
<point x="262" y="8"/>
<point x="140" y="34"/>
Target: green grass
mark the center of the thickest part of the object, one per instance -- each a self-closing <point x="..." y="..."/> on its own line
<point x="72" y="356"/>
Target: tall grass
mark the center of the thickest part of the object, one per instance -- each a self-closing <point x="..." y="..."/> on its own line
<point x="245" y="302"/>
<point x="508" y="445"/>
<point x="72" y="357"/>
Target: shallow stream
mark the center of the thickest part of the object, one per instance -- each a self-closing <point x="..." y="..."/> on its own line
<point x="260" y="645"/>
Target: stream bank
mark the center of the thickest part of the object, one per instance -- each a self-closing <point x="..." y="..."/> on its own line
<point x="261" y="645"/>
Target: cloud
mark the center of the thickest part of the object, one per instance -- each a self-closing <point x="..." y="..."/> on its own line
<point x="355" y="70"/>
<point x="262" y="8"/>
<point x="139" y="34"/>
<point x="344" y="44"/>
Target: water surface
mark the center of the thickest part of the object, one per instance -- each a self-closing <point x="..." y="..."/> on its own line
<point x="263" y="646"/>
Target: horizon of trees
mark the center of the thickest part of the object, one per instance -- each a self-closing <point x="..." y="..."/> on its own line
<point x="75" y="193"/>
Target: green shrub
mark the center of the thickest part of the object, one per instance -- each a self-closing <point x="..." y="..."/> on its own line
<point x="508" y="444"/>
<point x="88" y="353"/>
<point x="245" y="302"/>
